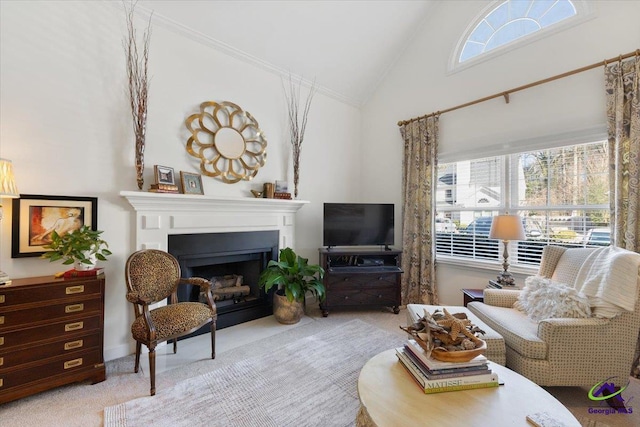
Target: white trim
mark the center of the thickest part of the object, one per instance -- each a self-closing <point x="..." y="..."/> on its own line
<point x="495" y="266"/>
<point x="225" y="48"/>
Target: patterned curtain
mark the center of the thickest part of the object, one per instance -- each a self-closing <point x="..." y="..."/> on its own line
<point x="622" y="83"/>
<point x="418" y="185"/>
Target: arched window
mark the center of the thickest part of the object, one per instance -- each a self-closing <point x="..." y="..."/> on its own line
<point x="512" y="20"/>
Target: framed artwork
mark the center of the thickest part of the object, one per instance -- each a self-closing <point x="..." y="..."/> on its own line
<point x="191" y="183"/>
<point x="35" y="217"/>
<point x="164" y="175"/>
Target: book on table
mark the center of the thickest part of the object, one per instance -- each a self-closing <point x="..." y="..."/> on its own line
<point x="485" y="379"/>
<point x="434" y="365"/>
<point x="454" y="372"/>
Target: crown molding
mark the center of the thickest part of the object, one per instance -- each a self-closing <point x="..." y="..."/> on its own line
<point x="198" y="37"/>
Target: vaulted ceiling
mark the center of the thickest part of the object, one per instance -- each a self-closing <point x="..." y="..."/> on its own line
<point x="346" y="46"/>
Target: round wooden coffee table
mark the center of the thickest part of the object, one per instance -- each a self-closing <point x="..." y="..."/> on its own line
<point x="390" y="397"/>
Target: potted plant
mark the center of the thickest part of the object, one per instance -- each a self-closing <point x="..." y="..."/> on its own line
<point x="81" y="247"/>
<point x="294" y="278"/>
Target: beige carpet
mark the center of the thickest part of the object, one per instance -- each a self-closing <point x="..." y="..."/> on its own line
<point x="310" y="382"/>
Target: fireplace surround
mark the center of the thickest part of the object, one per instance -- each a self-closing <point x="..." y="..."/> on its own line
<point x="211" y="255"/>
<point x="235" y="235"/>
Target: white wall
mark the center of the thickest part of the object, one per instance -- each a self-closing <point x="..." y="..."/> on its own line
<point x="420" y="83"/>
<point x="66" y="125"/>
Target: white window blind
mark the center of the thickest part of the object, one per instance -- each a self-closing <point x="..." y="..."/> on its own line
<point x="562" y="195"/>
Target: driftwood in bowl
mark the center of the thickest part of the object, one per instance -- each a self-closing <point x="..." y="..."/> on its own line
<point x="447" y="337"/>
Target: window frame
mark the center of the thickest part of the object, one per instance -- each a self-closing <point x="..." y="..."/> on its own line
<point x="585" y="11"/>
<point x="507" y="203"/>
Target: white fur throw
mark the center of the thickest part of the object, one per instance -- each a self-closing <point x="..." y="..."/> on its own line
<point x="543" y="298"/>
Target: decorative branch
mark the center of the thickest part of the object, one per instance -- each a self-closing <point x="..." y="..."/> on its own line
<point x="297" y="123"/>
<point x="137" y="73"/>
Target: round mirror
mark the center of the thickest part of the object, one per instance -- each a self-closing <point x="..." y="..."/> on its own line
<point x="229" y="143"/>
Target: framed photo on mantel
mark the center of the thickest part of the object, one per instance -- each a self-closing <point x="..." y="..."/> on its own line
<point x="191" y="183"/>
<point x="164" y="175"/>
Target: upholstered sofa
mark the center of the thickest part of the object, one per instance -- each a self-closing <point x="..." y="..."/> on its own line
<point x="581" y="350"/>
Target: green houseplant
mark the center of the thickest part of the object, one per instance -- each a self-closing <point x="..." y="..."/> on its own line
<point x="294" y="277"/>
<point x="82" y="247"/>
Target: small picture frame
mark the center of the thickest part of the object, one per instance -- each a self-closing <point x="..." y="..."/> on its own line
<point x="164" y="175"/>
<point x="35" y="217"/>
<point x="282" y="186"/>
<point x="191" y="183"/>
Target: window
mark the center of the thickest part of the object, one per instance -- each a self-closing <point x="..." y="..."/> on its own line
<point x="512" y="20"/>
<point x="562" y="195"/>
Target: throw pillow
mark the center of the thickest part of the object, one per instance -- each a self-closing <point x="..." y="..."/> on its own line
<point x="531" y="285"/>
<point x="546" y="299"/>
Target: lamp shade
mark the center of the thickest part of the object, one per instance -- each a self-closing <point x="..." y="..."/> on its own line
<point x="507" y="227"/>
<point x="8" y="186"/>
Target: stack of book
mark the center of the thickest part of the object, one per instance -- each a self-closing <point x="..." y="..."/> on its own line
<point x="69" y="274"/>
<point x="435" y="376"/>
<point x="282" y="195"/>
<point x="164" y="188"/>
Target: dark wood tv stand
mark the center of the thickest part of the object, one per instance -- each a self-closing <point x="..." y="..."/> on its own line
<point x="356" y="277"/>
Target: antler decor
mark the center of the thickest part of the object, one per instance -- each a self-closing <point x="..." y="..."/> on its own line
<point x="137" y="72"/>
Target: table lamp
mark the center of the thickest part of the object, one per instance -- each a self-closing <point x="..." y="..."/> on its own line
<point x="8" y="189"/>
<point x="505" y="228"/>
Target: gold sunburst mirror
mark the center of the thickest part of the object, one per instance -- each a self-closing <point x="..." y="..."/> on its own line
<point x="227" y="141"/>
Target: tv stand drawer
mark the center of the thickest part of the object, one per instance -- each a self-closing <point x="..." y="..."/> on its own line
<point x="338" y="281"/>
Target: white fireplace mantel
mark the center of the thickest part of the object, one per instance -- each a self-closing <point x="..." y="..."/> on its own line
<point x="159" y="215"/>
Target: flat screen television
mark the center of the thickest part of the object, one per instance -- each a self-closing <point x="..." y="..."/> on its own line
<point x="358" y="224"/>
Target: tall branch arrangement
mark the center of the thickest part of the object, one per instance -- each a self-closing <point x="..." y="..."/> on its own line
<point x="137" y="73"/>
<point x="298" y="115"/>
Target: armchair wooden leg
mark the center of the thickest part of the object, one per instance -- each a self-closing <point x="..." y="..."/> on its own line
<point x="152" y="370"/>
<point x="213" y="339"/>
<point x="138" y="350"/>
<point x="175" y="345"/>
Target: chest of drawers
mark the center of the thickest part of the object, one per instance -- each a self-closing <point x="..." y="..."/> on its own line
<point x="51" y="334"/>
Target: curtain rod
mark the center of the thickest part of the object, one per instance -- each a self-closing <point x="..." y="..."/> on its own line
<point x="506" y="93"/>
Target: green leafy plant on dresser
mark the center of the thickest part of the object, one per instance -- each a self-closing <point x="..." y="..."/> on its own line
<point x="82" y="247"/>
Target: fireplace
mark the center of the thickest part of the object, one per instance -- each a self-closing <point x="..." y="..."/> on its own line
<point x="170" y="222"/>
<point x="221" y="255"/>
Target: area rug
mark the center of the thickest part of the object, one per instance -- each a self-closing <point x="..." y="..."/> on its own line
<point x="310" y="382"/>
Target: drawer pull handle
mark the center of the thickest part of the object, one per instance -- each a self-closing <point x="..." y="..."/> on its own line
<point x="73" y="363"/>
<point x="73" y="308"/>
<point x="346" y="297"/>
<point x="74" y="289"/>
<point x="73" y="344"/>
<point x="1" y="361"/>
<point x="1" y="382"/>
<point x="73" y="326"/>
<point x="2" y="299"/>
<point x="1" y="320"/>
<point x="1" y="340"/>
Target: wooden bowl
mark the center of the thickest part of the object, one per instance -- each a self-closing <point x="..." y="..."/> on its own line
<point x="460" y="355"/>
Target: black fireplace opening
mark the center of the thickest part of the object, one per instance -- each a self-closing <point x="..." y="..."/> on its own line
<point x="234" y="259"/>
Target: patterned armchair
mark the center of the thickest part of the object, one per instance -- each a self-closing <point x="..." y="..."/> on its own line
<point x="566" y="351"/>
<point x="153" y="276"/>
